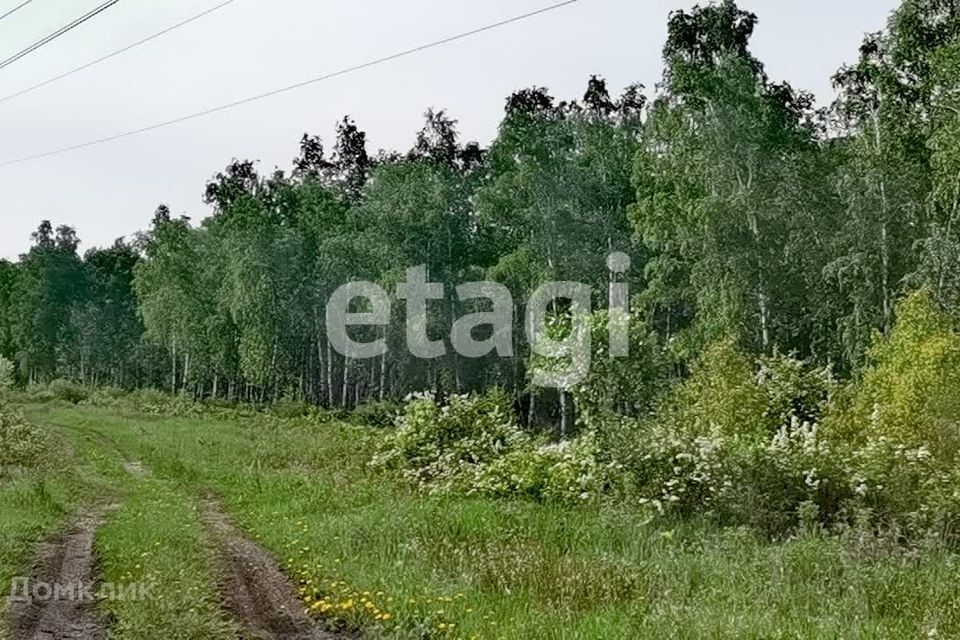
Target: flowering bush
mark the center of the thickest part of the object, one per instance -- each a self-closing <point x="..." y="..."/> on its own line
<point x="794" y="390"/>
<point x="682" y="471"/>
<point x="441" y="447"/>
<point x="570" y="471"/>
<point x="473" y="446"/>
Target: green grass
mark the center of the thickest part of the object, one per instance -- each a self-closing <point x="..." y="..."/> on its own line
<point x="37" y="502"/>
<point x="151" y="534"/>
<point x="464" y="568"/>
<point x="156" y="539"/>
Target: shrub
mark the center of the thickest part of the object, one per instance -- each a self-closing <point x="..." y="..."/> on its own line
<point x="7" y="375"/>
<point x="441" y="447"/>
<point x="156" y="402"/>
<point x="572" y="471"/>
<point x="68" y="391"/>
<point x="722" y="397"/>
<point x="147" y="399"/>
<point x="21" y="444"/>
<point x="379" y="414"/>
<point x="681" y="471"/>
<point x="910" y="393"/>
<point x="618" y="386"/>
<point x="775" y="444"/>
<point x="106" y="396"/>
<point x="794" y="390"/>
<point x="38" y="393"/>
<point x="797" y="476"/>
<point x="289" y="409"/>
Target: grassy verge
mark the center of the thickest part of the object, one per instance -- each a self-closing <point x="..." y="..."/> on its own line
<point x="404" y="566"/>
<point x="37" y="501"/>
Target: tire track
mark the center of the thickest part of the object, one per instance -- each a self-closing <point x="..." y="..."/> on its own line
<point x="255" y="590"/>
<point x="59" y="604"/>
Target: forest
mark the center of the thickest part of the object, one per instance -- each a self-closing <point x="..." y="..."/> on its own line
<point x="749" y="215"/>
<point x="770" y="239"/>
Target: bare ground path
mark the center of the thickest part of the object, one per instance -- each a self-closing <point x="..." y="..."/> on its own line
<point x="58" y="605"/>
<point x="255" y="590"/>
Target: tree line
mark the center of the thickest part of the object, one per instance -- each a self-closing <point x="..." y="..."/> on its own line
<point x="748" y="213"/>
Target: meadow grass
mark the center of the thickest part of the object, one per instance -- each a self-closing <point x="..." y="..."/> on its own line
<point x="372" y="555"/>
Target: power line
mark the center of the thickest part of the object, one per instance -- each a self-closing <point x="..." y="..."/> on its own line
<point x="59" y="32"/>
<point x="117" y="52"/>
<point x="15" y="9"/>
<point x="293" y="87"/>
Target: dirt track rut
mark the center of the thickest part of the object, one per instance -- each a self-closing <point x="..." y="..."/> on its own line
<point x="58" y="604"/>
<point x="255" y="590"/>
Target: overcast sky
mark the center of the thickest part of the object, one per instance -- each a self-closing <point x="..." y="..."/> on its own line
<point x="253" y="46"/>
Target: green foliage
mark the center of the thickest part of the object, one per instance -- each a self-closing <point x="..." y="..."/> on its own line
<point x="757" y="225"/>
<point x="290" y="409"/>
<point x="908" y="394"/>
<point x="68" y="391"/>
<point x="619" y="385"/>
<point x="21" y="444"/>
<point x="795" y="390"/>
<point x="7" y="375"/>
<point x="571" y="472"/>
<point x="441" y="447"/>
<point x="472" y="446"/>
<point x="378" y="413"/>
<point x="722" y="395"/>
<point x="106" y="396"/>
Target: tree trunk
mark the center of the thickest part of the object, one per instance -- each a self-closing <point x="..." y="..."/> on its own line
<point x="383" y="377"/>
<point x="173" y="374"/>
<point x="564" y="415"/>
<point x="329" y="375"/>
<point x="345" y="397"/>
<point x="186" y="372"/>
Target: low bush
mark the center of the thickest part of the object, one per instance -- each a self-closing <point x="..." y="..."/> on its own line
<point x="290" y="409"/>
<point x="380" y="414"/>
<point x="21" y="444"/>
<point x="442" y="447"/>
<point x="68" y="391"/>
<point x="7" y="375"/>
<point x="106" y="396"/>
<point x="572" y="471"/>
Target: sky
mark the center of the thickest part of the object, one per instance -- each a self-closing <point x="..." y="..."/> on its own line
<point x="252" y="46"/>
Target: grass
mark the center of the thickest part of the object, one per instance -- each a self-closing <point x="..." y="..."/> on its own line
<point x="156" y="539"/>
<point x="398" y="565"/>
<point x="37" y="501"/>
<point x="151" y="535"/>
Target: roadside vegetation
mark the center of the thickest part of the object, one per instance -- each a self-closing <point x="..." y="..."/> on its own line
<point x="398" y="560"/>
